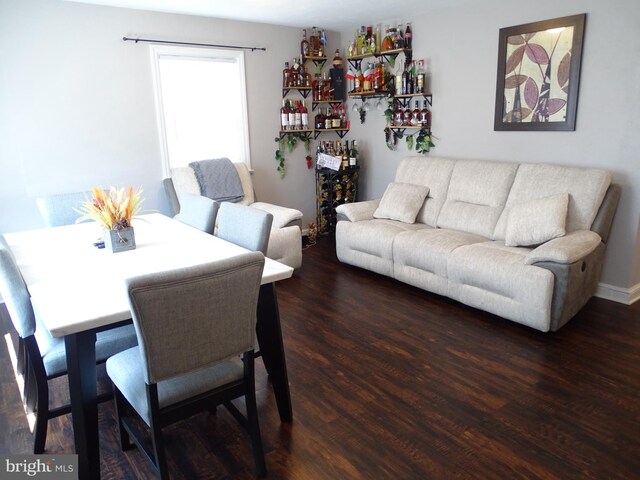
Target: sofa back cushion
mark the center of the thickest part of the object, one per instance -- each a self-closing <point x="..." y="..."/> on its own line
<point x="477" y="194"/>
<point x="432" y="172"/>
<point x="586" y="188"/>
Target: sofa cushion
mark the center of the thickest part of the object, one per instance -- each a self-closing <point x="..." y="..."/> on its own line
<point x="420" y="256"/>
<point x="402" y="202"/>
<point x="477" y="193"/>
<point x="537" y="221"/>
<point x="432" y="172"/>
<point x="495" y="278"/>
<point x="369" y="243"/>
<point x="586" y="188"/>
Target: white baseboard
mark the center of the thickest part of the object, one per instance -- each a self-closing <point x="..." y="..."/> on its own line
<point x="626" y="296"/>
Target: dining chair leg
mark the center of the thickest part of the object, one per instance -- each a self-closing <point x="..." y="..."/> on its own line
<point x="121" y="409"/>
<point x="42" y="415"/>
<point x="253" y="426"/>
<point x="156" y="433"/>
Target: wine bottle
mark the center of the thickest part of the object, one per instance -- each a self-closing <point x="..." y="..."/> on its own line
<point x="319" y="120"/>
<point x="398" y="116"/>
<point x="405" y="80"/>
<point x="304" y="44"/>
<point x="335" y="119"/>
<point x="284" y="116"/>
<point x="328" y="121"/>
<point x="304" y="114"/>
<point x="398" y="79"/>
<point x="400" y="37"/>
<point x="407" y="116"/>
<point x="420" y="78"/>
<point x="425" y="115"/>
<point x="353" y="154"/>
<point x="298" y="117"/>
<point x="286" y="73"/>
<point x="292" y="116"/>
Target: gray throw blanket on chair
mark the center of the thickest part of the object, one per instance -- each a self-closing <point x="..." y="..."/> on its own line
<point x="218" y="180"/>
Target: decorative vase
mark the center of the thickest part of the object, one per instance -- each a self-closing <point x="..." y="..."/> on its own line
<point x="120" y="240"/>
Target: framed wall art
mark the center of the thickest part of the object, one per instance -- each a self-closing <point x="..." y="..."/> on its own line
<point x="539" y="75"/>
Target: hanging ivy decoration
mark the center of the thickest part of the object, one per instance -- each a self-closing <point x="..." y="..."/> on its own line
<point x="289" y="141"/>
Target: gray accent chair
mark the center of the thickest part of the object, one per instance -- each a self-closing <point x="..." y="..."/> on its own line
<point x="199" y="212"/>
<point x="58" y="210"/>
<point x="45" y="355"/>
<point x="193" y="325"/>
<point x="245" y="226"/>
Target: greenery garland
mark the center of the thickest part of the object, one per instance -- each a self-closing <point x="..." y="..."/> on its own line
<point x="289" y="141"/>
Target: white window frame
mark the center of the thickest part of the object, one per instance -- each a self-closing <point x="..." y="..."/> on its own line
<point x="158" y="51"/>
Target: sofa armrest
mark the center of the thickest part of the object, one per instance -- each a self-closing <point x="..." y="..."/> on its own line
<point x="358" y="211"/>
<point x="568" y="249"/>
<point x="282" y="216"/>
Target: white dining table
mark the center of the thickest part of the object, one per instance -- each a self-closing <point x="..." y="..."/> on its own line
<point x="78" y="289"/>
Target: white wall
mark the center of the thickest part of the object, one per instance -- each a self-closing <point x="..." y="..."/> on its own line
<point x="460" y="46"/>
<point x="77" y="105"/>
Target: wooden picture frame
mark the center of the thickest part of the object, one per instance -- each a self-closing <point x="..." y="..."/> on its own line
<point x="539" y="75"/>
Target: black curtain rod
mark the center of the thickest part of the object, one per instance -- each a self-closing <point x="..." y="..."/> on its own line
<point x="148" y="40"/>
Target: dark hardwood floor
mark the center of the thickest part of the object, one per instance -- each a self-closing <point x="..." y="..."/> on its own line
<point x="391" y="382"/>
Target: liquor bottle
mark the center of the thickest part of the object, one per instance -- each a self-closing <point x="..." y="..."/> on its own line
<point x="366" y="86"/>
<point x="425" y="115"/>
<point x="398" y="116"/>
<point x="405" y="80"/>
<point x="314" y="43"/>
<point x="347" y="151"/>
<point x="420" y="78"/>
<point x="335" y="120"/>
<point x="343" y="117"/>
<point x="286" y="73"/>
<point x="345" y="158"/>
<point x="328" y="120"/>
<point x="398" y="79"/>
<point x="319" y="120"/>
<point x="323" y="43"/>
<point x="304" y="44"/>
<point x="370" y="41"/>
<point x="407" y="36"/>
<point x="298" y="116"/>
<point x="387" y="41"/>
<point x="414" y="78"/>
<point x="353" y="154"/>
<point x="294" y="75"/>
<point x="408" y="116"/>
<point x="284" y="116"/>
<point x="304" y="116"/>
<point x="378" y="37"/>
<point x="400" y="37"/>
<point x="337" y="59"/>
<point x="415" y="115"/>
<point x="359" y="81"/>
<point x="361" y="36"/>
<point x="306" y="76"/>
<point x="292" y="116"/>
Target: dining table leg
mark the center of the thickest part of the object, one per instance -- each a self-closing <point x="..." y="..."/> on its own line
<point x="269" y="333"/>
<point x="81" y="370"/>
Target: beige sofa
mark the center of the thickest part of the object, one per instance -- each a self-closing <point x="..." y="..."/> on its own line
<point x="523" y="241"/>
<point x="285" y="240"/>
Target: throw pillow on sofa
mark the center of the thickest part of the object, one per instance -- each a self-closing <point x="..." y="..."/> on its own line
<point x="537" y="221"/>
<point x="402" y="202"/>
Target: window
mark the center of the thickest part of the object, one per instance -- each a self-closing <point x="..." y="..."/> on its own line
<point x="201" y="104"/>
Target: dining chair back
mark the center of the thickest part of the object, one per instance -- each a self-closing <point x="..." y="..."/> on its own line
<point x="193" y="324"/>
<point x="245" y="226"/>
<point x="45" y="354"/>
<point x="58" y="210"/>
<point x="198" y="211"/>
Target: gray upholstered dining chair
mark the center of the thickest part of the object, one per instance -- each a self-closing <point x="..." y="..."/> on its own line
<point x="58" y="210"/>
<point x="45" y="355"/>
<point x="193" y="324"/>
<point x="198" y="211"/>
<point x="244" y="226"/>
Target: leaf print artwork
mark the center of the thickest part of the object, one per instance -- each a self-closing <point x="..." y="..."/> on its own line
<point x="536" y="81"/>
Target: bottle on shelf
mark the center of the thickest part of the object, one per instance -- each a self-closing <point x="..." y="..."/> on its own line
<point x="398" y="116"/>
<point x="371" y="41"/>
<point x="304" y="44"/>
<point x="412" y="74"/>
<point x="335" y="119"/>
<point x="378" y="38"/>
<point x="345" y="158"/>
<point x="286" y="74"/>
<point x="415" y="115"/>
<point x="292" y="116"/>
<point x="408" y="116"/>
<point x="353" y="154"/>
<point x="337" y="60"/>
<point x="359" y="80"/>
<point x="420" y="78"/>
<point x="304" y="116"/>
<point x="425" y="116"/>
<point x="387" y="41"/>
<point x="323" y="43"/>
<point x="408" y="34"/>
<point x="328" y="119"/>
<point x="315" y="88"/>
<point x="284" y="116"/>
<point x="344" y="122"/>
<point x="319" y="120"/>
<point x="406" y="80"/>
<point x="314" y="43"/>
<point x="398" y="79"/>
<point x="399" y="37"/>
<point x="298" y="117"/>
<point x="361" y="37"/>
